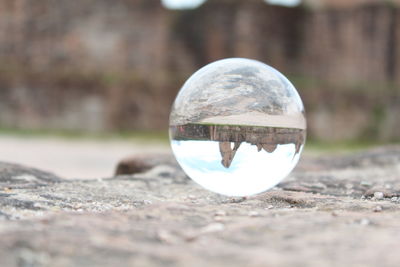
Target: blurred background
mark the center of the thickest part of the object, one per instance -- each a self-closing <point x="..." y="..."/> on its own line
<point x="114" y="67"/>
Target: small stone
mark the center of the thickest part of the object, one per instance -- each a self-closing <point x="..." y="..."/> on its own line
<point x="212" y="228"/>
<point x="394" y="199"/>
<point x="147" y="202"/>
<point x="378" y="209"/>
<point x="335" y="213"/>
<point x="365" y="221"/>
<point x="349" y="186"/>
<point x="269" y="207"/>
<point x="254" y="214"/>
<point x="378" y="195"/>
<point x="141" y="163"/>
<point x="219" y="218"/>
<point x="190" y="236"/>
<point x="238" y="199"/>
<point x="365" y="183"/>
<point x="220" y="213"/>
<point x="166" y="237"/>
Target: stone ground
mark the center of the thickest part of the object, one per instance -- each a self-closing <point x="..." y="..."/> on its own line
<point x="333" y="210"/>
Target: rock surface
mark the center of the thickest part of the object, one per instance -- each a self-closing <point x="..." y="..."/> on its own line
<point x="340" y="210"/>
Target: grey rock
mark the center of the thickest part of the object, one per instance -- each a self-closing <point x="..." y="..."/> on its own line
<point x="141" y="163"/>
<point x="335" y="174"/>
<point x="17" y="176"/>
<point x="379" y="195"/>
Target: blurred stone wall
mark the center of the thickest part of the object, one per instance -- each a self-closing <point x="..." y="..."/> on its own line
<point x="101" y="65"/>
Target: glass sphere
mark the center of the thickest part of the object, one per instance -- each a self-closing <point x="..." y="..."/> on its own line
<point x="237" y="127"/>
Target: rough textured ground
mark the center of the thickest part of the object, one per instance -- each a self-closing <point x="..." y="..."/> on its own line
<point x="332" y="211"/>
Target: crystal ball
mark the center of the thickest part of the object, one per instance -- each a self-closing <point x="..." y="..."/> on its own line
<point x="237" y="127"/>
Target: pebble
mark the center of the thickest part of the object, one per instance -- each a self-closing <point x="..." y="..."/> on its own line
<point x="378" y="195"/>
<point x="394" y="199"/>
<point x="378" y="209"/>
<point x="349" y="186"/>
<point x="365" y="183"/>
<point x="219" y="218"/>
<point x="166" y="237"/>
<point x="335" y="213"/>
<point x="254" y="214"/>
<point x="238" y="200"/>
<point x="220" y="213"/>
<point x="365" y="221"/>
<point x="212" y="228"/>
